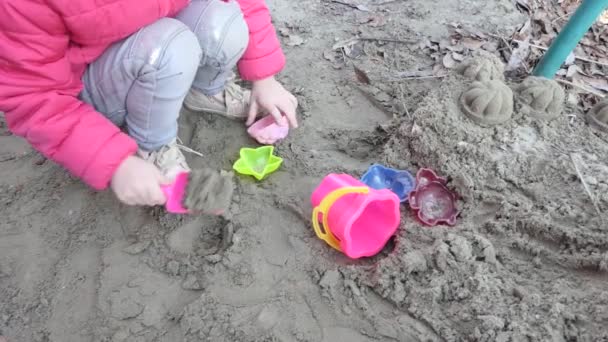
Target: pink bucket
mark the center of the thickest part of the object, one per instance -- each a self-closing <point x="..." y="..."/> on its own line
<point x="355" y="219"/>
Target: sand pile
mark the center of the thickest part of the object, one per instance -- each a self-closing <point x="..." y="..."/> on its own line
<point x="528" y="258"/>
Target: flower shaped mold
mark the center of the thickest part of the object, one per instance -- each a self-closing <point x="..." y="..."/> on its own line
<point x="540" y="97"/>
<point x="432" y="201"/>
<point x="257" y="162"/>
<point x="487" y="103"/>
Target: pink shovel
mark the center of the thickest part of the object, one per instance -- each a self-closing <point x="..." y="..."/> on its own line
<point x="175" y="194"/>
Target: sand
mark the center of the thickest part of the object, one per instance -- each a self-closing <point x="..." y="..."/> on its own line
<point x="526" y="261"/>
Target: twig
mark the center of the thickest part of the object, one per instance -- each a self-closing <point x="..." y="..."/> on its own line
<point x="389" y="40"/>
<point x="387" y="2"/>
<point x="402" y="99"/>
<point x="561" y="17"/>
<point x="575" y="56"/>
<point x="419" y="77"/>
<point x="347" y="42"/>
<point x="587" y="90"/>
<point x="7" y="158"/>
<point x="586" y="187"/>
<point x="354" y="6"/>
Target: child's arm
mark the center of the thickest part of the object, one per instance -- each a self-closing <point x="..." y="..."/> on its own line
<point x="262" y="60"/>
<point x="38" y="93"/>
<point x="263" y="57"/>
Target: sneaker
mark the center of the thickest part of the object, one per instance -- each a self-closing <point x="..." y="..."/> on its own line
<point x="232" y="103"/>
<point x="169" y="158"/>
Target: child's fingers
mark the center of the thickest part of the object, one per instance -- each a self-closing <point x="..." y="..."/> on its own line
<point x="278" y="117"/>
<point x="253" y="113"/>
<point x="294" y="100"/>
<point x="164" y="180"/>
<point x="156" y="196"/>
<point x="290" y="112"/>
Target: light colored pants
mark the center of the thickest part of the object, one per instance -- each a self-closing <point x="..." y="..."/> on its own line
<point x="140" y="82"/>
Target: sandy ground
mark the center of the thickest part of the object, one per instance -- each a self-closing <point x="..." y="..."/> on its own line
<point x="526" y="262"/>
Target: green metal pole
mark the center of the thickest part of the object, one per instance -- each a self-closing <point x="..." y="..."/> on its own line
<point x="568" y="38"/>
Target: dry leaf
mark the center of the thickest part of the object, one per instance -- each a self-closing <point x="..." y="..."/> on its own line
<point x="572" y="70"/>
<point x="570" y="59"/>
<point x="519" y="56"/>
<point x="329" y="55"/>
<point x="597" y="83"/>
<point x="377" y="21"/>
<point x="449" y="62"/>
<point x="523" y="6"/>
<point x="438" y="69"/>
<point x="361" y="76"/>
<point x="472" y="44"/>
<point x="344" y="43"/>
<point x="491" y="46"/>
<point x="456" y="48"/>
<point x="457" y="57"/>
<point x="295" y="40"/>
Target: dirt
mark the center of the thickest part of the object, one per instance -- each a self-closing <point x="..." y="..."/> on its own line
<point x="526" y="261"/>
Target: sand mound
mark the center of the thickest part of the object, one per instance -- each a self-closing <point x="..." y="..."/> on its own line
<point x="528" y="257"/>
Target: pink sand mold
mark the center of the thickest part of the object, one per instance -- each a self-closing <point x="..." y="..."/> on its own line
<point x="267" y="132"/>
<point x="174" y="193"/>
<point x="356" y="219"/>
<point x="433" y="202"/>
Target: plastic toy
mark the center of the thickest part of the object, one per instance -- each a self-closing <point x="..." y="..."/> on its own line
<point x="355" y="219"/>
<point x="433" y="202"/>
<point x="257" y="162"/>
<point x="175" y="194"/>
<point x="382" y="177"/>
<point x="266" y="130"/>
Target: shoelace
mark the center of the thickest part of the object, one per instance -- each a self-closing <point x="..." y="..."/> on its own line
<point x="180" y="144"/>
<point x="235" y="92"/>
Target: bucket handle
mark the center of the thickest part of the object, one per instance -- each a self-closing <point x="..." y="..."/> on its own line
<point x="323" y="209"/>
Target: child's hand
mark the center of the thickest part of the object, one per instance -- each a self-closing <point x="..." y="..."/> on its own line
<point x="137" y="182"/>
<point x="270" y="96"/>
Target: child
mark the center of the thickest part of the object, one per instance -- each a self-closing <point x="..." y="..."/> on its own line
<point x="73" y="72"/>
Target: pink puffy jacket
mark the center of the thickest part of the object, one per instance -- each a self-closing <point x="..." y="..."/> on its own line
<point x="45" y="46"/>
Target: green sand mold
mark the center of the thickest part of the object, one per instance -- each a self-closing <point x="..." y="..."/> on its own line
<point x="257" y="162"/>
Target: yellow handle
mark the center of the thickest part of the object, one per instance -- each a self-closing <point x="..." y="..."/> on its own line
<point x="323" y="209"/>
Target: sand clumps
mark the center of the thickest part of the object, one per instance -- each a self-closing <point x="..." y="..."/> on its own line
<point x="483" y="67"/>
<point x="487" y="102"/>
<point x="209" y="191"/>
<point x="598" y="116"/>
<point x="540" y="97"/>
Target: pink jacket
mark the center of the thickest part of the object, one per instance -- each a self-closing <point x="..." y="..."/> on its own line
<point x="45" y="46"/>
